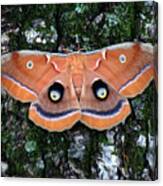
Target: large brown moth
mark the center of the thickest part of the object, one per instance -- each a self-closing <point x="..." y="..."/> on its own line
<point x="92" y="87"/>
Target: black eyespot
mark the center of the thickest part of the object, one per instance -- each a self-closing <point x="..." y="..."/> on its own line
<point x="56" y="92"/>
<point x="100" y="90"/>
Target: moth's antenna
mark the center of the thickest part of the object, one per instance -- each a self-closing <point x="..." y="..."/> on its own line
<point x="64" y="50"/>
<point x="77" y="41"/>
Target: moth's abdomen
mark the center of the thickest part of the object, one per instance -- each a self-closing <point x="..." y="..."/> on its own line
<point x="77" y="80"/>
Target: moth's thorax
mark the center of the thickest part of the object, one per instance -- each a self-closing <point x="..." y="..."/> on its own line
<point x="76" y="64"/>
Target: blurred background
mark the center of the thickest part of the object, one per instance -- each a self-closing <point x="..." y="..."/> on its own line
<point x="129" y="150"/>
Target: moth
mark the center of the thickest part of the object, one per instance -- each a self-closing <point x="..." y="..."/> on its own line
<point x="92" y="87"/>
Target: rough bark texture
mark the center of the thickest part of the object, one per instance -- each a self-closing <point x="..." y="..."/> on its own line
<point x="129" y="150"/>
